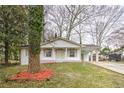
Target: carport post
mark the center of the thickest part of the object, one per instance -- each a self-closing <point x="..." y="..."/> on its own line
<point x="65" y="53"/>
<point x="91" y="57"/>
<point x="53" y="52"/>
<point x="97" y="56"/>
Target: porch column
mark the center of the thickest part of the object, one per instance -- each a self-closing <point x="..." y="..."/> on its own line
<point x="53" y="52"/>
<point x="97" y="56"/>
<point x="91" y="56"/>
<point x="65" y="53"/>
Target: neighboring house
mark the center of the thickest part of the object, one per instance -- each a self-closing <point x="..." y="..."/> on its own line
<point x="62" y="50"/>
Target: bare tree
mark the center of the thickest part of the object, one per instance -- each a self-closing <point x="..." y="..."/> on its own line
<point x="55" y="19"/>
<point x="76" y="16"/>
<point x="116" y="39"/>
<point x="66" y="18"/>
<point x="101" y="26"/>
<point x="69" y="21"/>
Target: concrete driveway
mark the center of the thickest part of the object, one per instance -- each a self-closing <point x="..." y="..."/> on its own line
<point x="114" y="66"/>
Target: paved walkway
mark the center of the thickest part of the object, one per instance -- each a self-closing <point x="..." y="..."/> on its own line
<point x="114" y="66"/>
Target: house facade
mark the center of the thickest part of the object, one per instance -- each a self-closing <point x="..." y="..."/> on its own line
<point x="59" y="50"/>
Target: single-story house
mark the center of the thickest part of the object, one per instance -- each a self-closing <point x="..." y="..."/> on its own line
<point x="62" y="50"/>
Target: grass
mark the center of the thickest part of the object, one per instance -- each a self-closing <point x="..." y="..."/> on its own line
<point x="66" y="75"/>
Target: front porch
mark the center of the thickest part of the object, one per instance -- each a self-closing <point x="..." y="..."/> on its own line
<point x="60" y="55"/>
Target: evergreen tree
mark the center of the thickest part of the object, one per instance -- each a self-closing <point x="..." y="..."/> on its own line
<point x="35" y="33"/>
<point x="12" y="27"/>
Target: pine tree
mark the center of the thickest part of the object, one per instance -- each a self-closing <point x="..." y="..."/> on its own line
<point x="12" y="25"/>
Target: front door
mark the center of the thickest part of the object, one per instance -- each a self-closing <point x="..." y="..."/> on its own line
<point x="60" y="54"/>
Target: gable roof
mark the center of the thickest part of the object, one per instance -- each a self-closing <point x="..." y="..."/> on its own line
<point x="86" y="46"/>
<point x="72" y="42"/>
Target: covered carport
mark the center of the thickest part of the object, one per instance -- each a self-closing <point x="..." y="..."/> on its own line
<point x="90" y="53"/>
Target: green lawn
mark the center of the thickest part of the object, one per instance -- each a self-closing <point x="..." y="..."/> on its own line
<point x="66" y="75"/>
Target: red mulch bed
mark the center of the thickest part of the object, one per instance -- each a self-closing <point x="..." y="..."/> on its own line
<point x="41" y="75"/>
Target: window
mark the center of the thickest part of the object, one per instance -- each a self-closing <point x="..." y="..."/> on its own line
<point x="72" y="52"/>
<point x="48" y="52"/>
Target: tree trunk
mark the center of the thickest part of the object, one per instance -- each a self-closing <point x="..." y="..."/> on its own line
<point x="60" y="35"/>
<point x="80" y="38"/>
<point x="6" y="52"/>
<point x="34" y="62"/>
<point x="68" y="36"/>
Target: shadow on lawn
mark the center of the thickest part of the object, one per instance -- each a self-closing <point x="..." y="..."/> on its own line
<point x="3" y="65"/>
